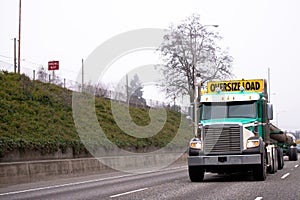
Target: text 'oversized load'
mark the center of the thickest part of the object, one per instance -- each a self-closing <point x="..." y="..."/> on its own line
<point x="236" y="85"/>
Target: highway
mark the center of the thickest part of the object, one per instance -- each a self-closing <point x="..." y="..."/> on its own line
<point x="170" y="183"/>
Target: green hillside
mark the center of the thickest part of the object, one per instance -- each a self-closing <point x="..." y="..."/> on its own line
<point x="38" y="116"/>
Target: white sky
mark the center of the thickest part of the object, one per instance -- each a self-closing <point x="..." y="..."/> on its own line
<point x="259" y="34"/>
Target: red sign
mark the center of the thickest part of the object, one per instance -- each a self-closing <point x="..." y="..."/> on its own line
<point x="53" y="65"/>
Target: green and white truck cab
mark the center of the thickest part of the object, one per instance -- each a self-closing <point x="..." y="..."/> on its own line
<point x="234" y="131"/>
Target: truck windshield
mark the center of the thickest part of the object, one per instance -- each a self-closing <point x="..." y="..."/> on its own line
<point x="229" y="110"/>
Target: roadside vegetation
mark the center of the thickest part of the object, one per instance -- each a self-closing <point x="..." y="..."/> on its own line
<point x="38" y="116"/>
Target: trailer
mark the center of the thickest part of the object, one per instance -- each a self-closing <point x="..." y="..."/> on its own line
<point x="235" y="133"/>
<point x="285" y="141"/>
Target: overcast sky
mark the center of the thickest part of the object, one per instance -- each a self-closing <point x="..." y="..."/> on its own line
<point x="260" y="35"/>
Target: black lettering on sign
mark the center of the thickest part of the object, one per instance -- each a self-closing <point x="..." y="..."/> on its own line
<point x="233" y="86"/>
<point x="212" y="87"/>
<point x="225" y="86"/>
<point x="228" y="87"/>
<point x="257" y="85"/>
<point x="248" y="86"/>
<point x="252" y="86"/>
<point x="221" y="86"/>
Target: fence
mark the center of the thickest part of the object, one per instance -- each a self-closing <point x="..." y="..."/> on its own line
<point x="43" y="75"/>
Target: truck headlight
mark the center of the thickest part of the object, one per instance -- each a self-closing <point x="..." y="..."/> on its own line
<point x="251" y="143"/>
<point x="196" y="143"/>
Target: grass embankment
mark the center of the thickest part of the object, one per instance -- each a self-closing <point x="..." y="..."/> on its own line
<point x="38" y="116"/>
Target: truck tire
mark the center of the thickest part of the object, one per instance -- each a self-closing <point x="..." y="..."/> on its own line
<point x="293" y="154"/>
<point x="280" y="158"/>
<point x="260" y="171"/>
<point x="274" y="164"/>
<point x="196" y="173"/>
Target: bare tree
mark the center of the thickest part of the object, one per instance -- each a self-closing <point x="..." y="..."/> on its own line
<point x="42" y="74"/>
<point x="190" y="49"/>
<point x="57" y="80"/>
<point x="136" y="88"/>
<point x="136" y="92"/>
<point x="101" y="90"/>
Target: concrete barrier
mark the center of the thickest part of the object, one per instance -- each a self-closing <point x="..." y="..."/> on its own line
<point x="17" y="155"/>
<point x="13" y="173"/>
<point x="32" y="171"/>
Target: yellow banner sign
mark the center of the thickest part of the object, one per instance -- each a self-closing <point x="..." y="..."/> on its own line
<point x="236" y="85"/>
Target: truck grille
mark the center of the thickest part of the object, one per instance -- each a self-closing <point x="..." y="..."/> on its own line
<point x="222" y="139"/>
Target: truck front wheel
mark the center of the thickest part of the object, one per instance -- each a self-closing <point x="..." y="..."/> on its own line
<point x="260" y="171"/>
<point x="196" y="173"/>
<point x="274" y="161"/>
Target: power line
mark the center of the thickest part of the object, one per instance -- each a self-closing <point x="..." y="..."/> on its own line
<point x="5" y="56"/>
<point x="33" y="63"/>
<point x="3" y="61"/>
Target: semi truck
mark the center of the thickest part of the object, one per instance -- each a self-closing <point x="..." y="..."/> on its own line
<point x="235" y="133"/>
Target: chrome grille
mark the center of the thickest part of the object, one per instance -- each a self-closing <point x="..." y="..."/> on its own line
<point x="222" y="139"/>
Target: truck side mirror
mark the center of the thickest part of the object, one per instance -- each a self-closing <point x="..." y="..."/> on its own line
<point x="270" y="111"/>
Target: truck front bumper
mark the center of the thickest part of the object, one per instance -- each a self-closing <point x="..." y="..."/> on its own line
<point x="248" y="159"/>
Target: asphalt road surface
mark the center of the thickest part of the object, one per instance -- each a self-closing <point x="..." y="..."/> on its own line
<point x="170" y="183"/>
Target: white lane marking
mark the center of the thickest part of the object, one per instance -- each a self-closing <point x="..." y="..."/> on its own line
<point x="258" y="198"/>
<point x="286" y="175"/>
<point x="166" y="169"/>
<point x="296" y="166"/>
<point x="83" y="182"/>
<point x="63" y="185"/>
<point x="129" y="192"/>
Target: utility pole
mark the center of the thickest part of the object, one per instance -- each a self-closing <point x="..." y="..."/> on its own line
<point x="269" y="80"/>
<point x="195" y="89"/>
<point x="82" y="74"/>
<point x="127" y="90"/>
<point x="174" y="98"/>
<point x="19" y="41"/>
<point x="15" y="55"/>
<point x="197" y="85"/>
<point x="53" y="76"/>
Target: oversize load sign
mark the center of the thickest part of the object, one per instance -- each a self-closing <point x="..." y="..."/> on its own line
<point x="234" y="86"/>
<point x="53" y="65"/>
